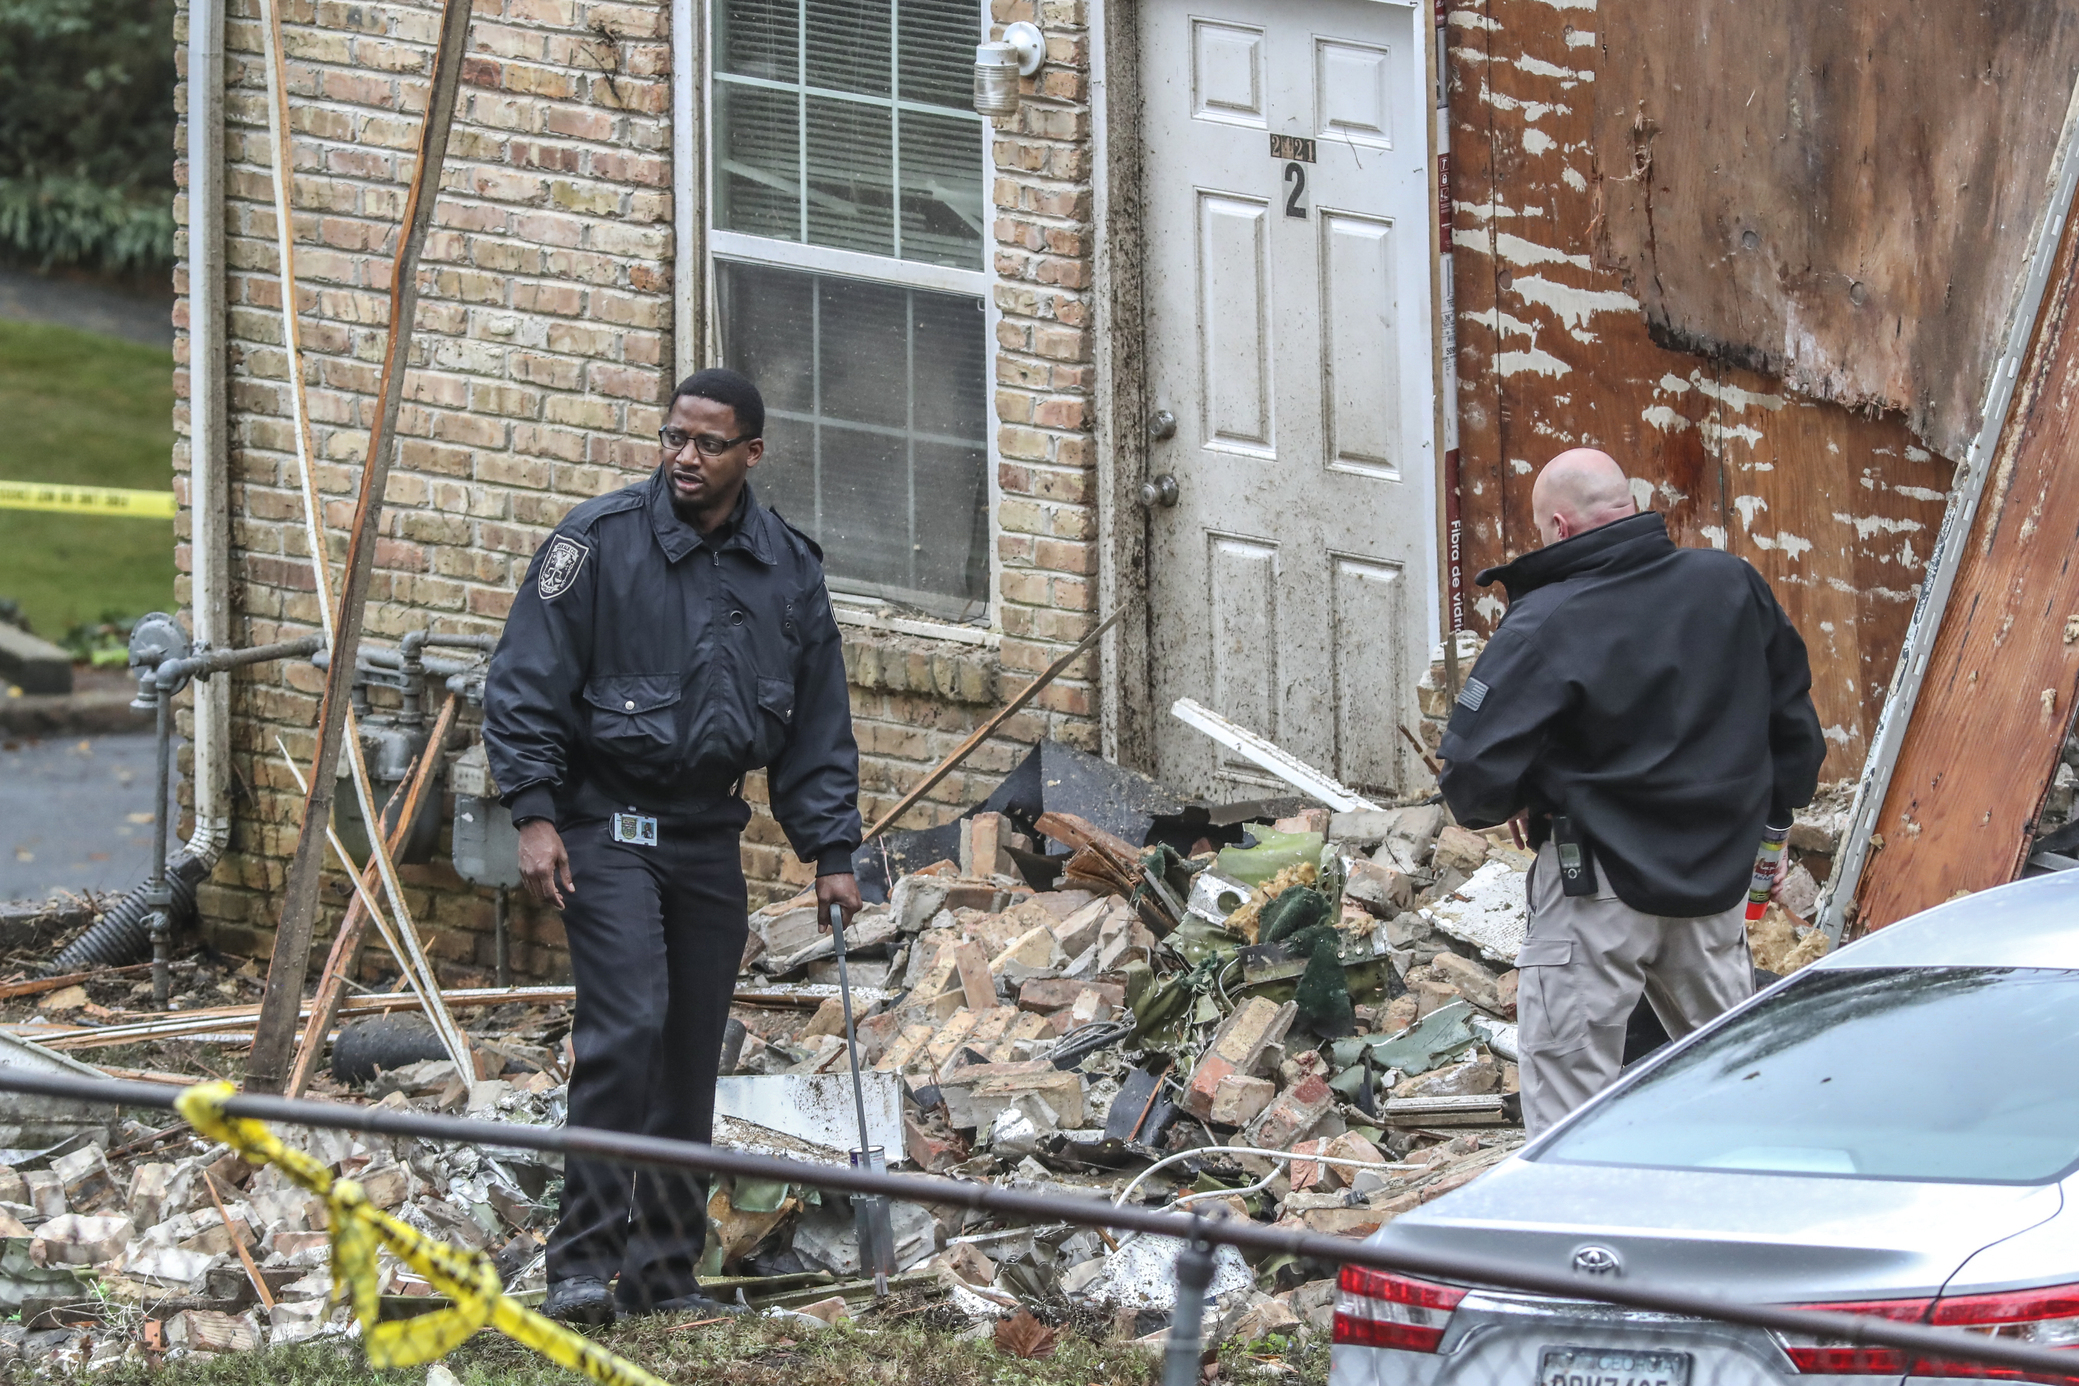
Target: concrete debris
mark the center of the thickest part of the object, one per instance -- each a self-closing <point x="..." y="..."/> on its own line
<point x="816" y="1107"/>
<point x="1048" y="1005"/>
<point x="1490" y="910"/>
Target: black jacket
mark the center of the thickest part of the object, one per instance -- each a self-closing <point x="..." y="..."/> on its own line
<point x="644" y="668"/>
<point x="1657" y="695"/>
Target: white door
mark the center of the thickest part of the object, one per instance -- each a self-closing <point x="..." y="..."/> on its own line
<point x="1292" y="582"/>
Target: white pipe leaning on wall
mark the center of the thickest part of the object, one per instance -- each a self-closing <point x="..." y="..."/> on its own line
<point x="208" y="425"/>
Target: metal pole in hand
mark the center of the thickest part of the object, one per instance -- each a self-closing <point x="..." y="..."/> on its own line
<point x="1185" y="1347"/>
<point x="870" y="1215"/>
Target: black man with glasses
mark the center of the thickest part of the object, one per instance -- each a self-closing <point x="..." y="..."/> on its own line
<point x="669" y="638"/>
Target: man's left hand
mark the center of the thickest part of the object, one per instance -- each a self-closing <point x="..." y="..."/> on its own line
<point x="840" y="890"/>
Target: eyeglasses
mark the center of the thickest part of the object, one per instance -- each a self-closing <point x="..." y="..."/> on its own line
<point x="706" y="444"/>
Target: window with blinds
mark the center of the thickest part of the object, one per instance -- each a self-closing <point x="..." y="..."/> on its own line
<point x="847" y="208"/>
<point x="849" y="123"/>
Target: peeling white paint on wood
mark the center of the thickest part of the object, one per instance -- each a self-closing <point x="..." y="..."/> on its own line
<point x="1714" y="535"/>
<point x="1532" y="110"/>
<point x="1538" y="67"/>
<point x="1536" y="361"/>
<point x="1518" y="251"/>
<point x="1717" y="434"/>
<point x="1749" y="507"/>
<point x="1867" y="525"/>
<point x="1573" y="307"/>
<point x="1733" y="397"/>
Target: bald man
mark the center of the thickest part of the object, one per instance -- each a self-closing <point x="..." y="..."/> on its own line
<point x="1648" y="709"/>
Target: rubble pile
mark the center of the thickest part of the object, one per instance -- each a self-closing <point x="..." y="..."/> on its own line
<point x="1307" y="1020"/>
<point x="1310" y="1025"/>
<point x="1170" y="1029"/>
<point x="124" y="1243"/>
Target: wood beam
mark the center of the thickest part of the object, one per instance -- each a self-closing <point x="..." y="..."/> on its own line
<point x="275" y="1033"/>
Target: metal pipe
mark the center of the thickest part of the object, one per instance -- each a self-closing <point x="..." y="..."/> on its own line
<point x="209" y="490"/>
<point x="1186" y="1344"/>
<point x="391" y="659"/>
<point x="1054" y="1206"/>
<point x="158" y="894"/>
<point x="415" y="640"/>
<point x="202" y="665"/>
<point x="870" y="1212"/>
<point x="501" y="941"/>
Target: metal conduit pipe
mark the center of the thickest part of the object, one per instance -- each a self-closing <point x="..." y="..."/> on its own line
<point x="147" y="916"/>
<point x="391" y="659"/>
<point x="123" y="932"/>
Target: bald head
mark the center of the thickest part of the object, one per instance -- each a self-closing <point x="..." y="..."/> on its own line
<point x="1579" y="490"/>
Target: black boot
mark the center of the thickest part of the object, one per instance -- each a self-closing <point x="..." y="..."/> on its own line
<point x="582" y="1299"/>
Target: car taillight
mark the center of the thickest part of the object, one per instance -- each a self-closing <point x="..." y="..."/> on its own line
<point x="1832" y="1357"/>
<point x="1376" y="1309"/>
<point x="2043" y="1318"/>
<point x="2047" y="1318"/>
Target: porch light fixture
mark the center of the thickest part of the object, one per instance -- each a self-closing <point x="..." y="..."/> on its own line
<point x="1000" y="64"/>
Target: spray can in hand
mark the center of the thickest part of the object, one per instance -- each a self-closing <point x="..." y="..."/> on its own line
<point x="1773" y="841"/>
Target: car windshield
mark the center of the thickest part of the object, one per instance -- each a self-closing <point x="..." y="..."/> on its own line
<point x="1952" y="1073"/>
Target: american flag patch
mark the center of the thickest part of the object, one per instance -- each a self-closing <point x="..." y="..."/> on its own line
<point x="1472" y="695"/>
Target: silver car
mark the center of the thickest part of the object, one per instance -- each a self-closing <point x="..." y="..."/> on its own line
<point x="1892" y="1131"/>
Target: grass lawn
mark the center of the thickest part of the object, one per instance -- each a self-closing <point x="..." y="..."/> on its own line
<point x="96" y="411"/>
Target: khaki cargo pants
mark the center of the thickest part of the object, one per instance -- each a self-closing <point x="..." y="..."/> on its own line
<point x="1583" y="967"/>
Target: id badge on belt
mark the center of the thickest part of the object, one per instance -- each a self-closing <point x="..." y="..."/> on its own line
<point x="635" y="828"/>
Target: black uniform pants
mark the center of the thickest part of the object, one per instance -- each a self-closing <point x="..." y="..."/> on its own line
<point x="656" y="934"/>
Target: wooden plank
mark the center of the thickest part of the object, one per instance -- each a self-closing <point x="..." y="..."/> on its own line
<point x="268" y="1068"/>
<point x="1838" y="509"/>
<point x="1996" y="699"/>
<point x="1004" y="714"/>
<point x="346" y="945"/>
<point x="1840" y="195"/>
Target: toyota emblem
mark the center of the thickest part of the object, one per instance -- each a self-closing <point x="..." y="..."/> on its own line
<point x="1597" y="1260"/>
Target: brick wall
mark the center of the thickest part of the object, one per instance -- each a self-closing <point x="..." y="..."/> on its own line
<point x="540" y="361"/>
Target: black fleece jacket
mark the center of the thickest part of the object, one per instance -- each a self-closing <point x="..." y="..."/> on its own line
<point x="1657" y="695"/>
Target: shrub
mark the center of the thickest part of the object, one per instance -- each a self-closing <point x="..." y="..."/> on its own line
<point x="86" y="132"/>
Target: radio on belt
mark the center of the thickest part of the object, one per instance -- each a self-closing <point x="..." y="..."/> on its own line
<point x="1576" y="865"/>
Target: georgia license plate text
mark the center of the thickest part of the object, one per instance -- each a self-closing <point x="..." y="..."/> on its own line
<point x="1580" y="1366"/>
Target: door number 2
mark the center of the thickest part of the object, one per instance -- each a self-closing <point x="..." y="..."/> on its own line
<point x="1296" y="190"/>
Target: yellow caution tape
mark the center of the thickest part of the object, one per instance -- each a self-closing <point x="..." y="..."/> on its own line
<point x="359" y="1230"/>
<point x="86" y="500"/>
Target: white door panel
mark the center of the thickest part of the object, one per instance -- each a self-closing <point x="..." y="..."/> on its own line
<point x="1288" y="296"/>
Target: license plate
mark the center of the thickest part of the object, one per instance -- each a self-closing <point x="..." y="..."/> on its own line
<point x="1586" y="1366"/>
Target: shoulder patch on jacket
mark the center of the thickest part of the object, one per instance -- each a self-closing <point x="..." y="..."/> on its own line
<point x="797" y="532"/>
<point x="1472" y="695"/>
<point x="560" y="565"/>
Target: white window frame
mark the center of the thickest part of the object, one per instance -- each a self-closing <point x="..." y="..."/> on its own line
<point x="697" y="240"/>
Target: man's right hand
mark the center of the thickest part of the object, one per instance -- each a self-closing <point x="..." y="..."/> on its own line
<point x="544" y="865"/>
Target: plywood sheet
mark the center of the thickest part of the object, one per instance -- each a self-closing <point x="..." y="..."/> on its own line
<point x="1837" y="194"/>
<point x="1839" y="508"/>
<point x="1997" y="696"/>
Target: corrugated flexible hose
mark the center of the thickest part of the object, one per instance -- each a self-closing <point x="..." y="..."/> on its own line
<point x="124" y="933"/>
